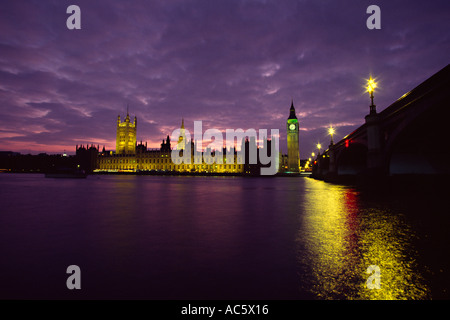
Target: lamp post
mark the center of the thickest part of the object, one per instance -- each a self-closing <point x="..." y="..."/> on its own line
<point x="319" y="146"/>
<point x="373" y="129"/>
<point x="331" y="132"/>
<point x="371" y="85"/>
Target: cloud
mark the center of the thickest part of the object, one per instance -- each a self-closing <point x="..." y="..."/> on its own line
<point x="234" y="64"/>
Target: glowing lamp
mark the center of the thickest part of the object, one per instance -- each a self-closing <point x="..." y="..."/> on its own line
<point x="319" y="146"/>
<point x="371" y="85"/>
<point x="331" y="131"/>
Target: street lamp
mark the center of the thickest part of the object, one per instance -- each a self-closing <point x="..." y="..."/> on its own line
<point x="331" y="132"/>
<point x="319" y="146"/>
<point x="371" y="85"/>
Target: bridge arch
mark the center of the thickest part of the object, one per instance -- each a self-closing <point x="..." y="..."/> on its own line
<point x="352" y="160"/>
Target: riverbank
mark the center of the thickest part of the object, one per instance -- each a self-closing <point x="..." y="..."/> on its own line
<point x="178" y="173"/>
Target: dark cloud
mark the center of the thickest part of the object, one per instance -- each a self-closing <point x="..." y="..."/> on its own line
<point x="233" y="64"/>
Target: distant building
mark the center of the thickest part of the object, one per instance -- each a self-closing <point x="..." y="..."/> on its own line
<point x="132" y="157"/>
<point x="126" y="136"/>
<point x="283" y="162"/>
<point x="160" y="160"/>
<point x="16" y="162"/>
<point x="293" y="157"/>
<point x="86" y="157"/>
<point x="182" y="138"/>
<point x="140" y="158"/>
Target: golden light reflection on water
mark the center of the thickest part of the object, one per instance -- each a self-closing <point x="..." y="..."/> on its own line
<point x="338" y="241"/>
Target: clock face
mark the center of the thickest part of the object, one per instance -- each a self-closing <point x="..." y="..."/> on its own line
<point x="292" y="127"/>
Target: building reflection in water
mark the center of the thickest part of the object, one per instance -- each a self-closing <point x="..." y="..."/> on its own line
<point x="340" y="236"/>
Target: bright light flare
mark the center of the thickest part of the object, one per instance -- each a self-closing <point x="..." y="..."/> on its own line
<point x="371" y="85"/>
<point x="331" y="131"/>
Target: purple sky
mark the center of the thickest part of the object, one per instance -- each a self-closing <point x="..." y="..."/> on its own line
<point x="232" y="64"/>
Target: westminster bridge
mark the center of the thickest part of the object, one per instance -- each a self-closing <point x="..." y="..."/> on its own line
<point x="408" y="138"/>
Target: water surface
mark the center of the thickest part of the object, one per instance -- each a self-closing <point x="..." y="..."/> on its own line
<point x="156" y="237"/>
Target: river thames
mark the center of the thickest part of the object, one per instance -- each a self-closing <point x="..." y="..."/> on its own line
<point x="169" y="237"/>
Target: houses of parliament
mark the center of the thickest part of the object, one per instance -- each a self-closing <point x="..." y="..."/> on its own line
<point x="130" y="156"/>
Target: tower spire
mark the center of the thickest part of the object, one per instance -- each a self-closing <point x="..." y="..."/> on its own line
<point x="182" y="138"/>
<point x="292" y="111"/>
<point x="292" y="141"/>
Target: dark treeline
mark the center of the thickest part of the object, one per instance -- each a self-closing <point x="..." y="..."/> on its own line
<point x="16" y="162"/>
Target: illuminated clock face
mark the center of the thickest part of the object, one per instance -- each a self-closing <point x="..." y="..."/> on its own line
<point x="292" y="127"/>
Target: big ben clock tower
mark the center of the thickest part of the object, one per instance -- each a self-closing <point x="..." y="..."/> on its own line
<point x="292" y="141"/>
